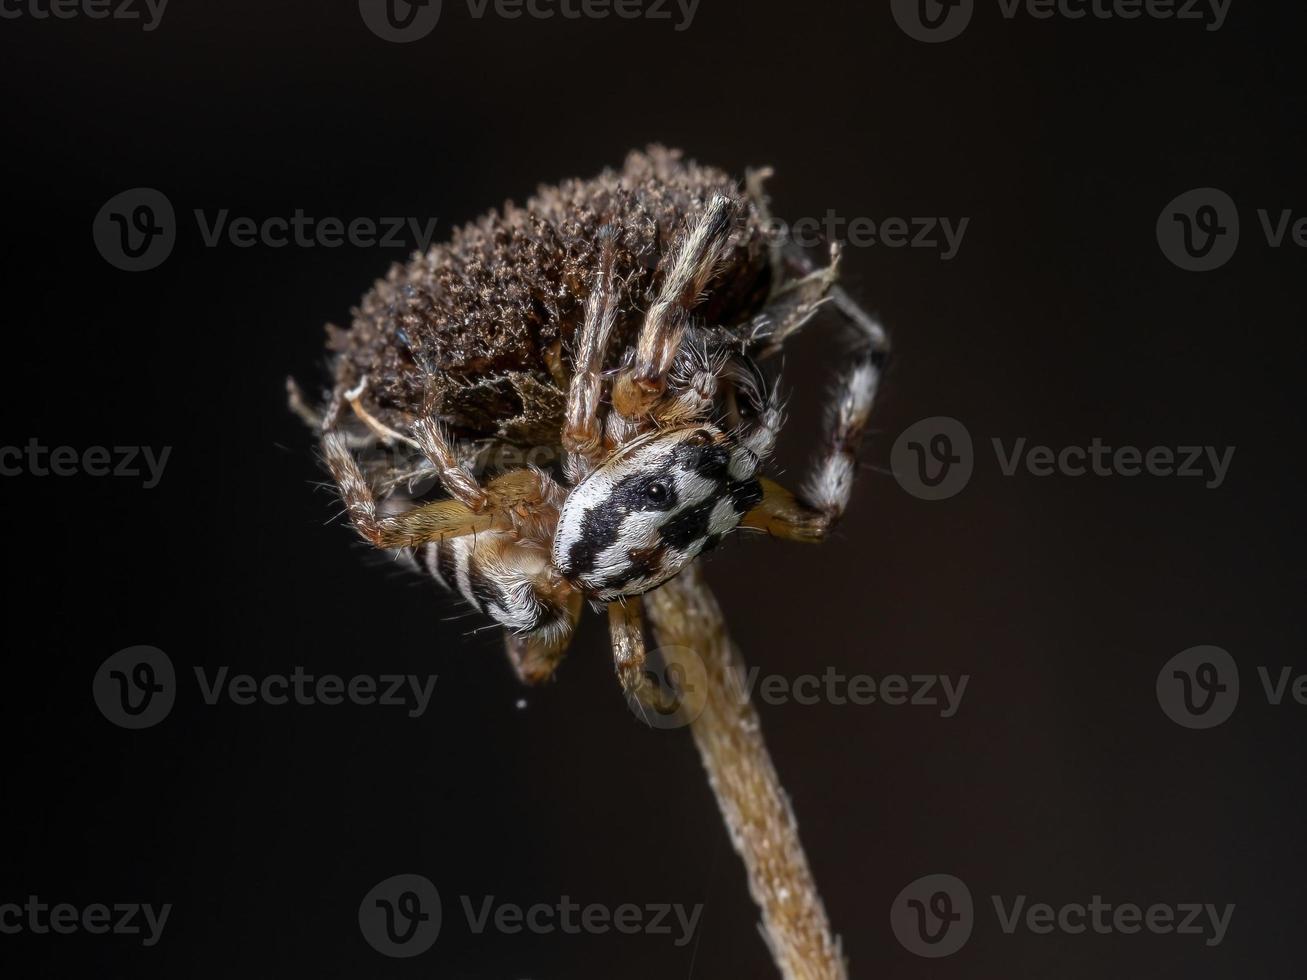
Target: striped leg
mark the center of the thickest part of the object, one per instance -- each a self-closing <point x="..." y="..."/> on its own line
<point x="755" y="436"/>
<point x="535" y="658"/>
<point x="693" y="263"/>
<point x="626" y="624"/>
<point x="441" y="519"/>
<point x="823" y="497"/>
<point x="453" y="474"/>
<point x="642" y="687"/>
<point x="582" y="433"/>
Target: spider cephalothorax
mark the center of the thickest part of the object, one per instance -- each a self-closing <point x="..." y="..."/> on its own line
<point x="652" y="507"/>
<point x="621" y="321"/>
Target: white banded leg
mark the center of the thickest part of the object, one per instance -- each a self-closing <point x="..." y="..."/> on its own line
<point x="825" y="494"/>
<point x="828" y="488"/>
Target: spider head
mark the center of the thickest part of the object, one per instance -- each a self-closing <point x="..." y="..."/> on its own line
<point x="651" y="509"/>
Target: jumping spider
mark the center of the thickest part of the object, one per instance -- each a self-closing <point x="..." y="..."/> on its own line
<point x="621" y="319"/>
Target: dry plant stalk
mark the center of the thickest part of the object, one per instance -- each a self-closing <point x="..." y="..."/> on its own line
<point x="754" y="805"/>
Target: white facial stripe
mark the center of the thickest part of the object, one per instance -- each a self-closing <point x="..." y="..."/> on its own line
<point x="691" y="488"/>
<point x="598" y="488"/>
<point x="638" y="530"/>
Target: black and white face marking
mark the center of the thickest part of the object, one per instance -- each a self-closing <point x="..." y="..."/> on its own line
<point x="639" y="518"/>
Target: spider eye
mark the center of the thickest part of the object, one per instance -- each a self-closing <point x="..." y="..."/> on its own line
<point x="657" y="492"/>
<point x="699" y="439"/>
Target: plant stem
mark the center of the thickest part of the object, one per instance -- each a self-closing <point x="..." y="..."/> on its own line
<point x="754" y="805"/>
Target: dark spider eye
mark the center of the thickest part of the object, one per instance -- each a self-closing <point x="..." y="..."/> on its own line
<point x="657" y="492"/>
<point x="700" y="438"/>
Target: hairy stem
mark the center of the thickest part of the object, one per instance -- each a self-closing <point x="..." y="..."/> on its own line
<point x="754" y="805"/>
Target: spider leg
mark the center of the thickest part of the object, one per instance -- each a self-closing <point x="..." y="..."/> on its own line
<point x="797" y="262"/>
<point x="809" y="515"/>
<point x="791" y="307"/>
<point x="695" y="259"/>
<point x="582" y="433"/>
<point x="798" y="286"/>
<point x="755" y="436"/>
<point x="533" y="661"/>
<point x="452" y="472"/>
<point x="316" y="419"/>
<point x="626" y="624"/>
<point x="381" y="431"/>
<point x="430" y="522"/>
<point x="428" y="437"/>
<point x="300" y="407"/>
<point x="535" y="656"/>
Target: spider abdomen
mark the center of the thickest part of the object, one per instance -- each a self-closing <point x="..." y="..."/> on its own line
<point x="502" y="586"/>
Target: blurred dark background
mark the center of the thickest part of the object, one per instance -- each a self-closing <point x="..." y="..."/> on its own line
<point x="1059" y="320"/>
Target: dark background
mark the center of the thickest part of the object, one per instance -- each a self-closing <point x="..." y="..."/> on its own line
<point x="1059" y="320"/>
